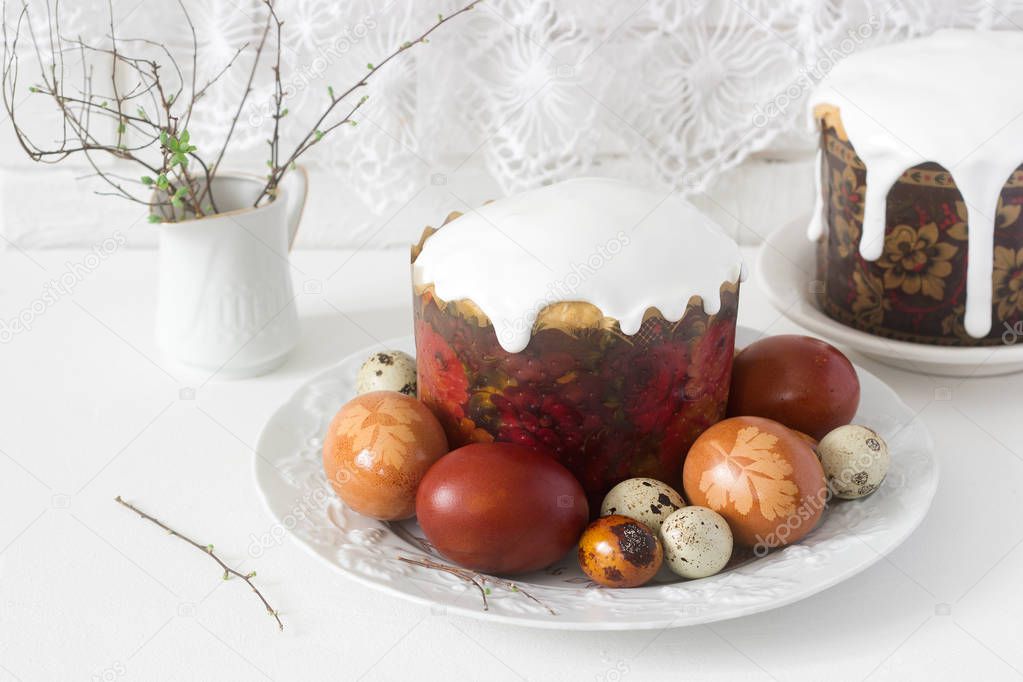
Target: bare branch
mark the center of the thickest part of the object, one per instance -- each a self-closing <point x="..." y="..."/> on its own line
<point x="151" y="112"/>
<point x="318" y="130"/>
<point x="478" y="580"/>
<point x="241" y="106"/>
<point x="208" y="550"/>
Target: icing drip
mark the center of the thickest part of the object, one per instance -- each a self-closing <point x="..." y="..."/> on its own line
<point x="816" y="229"/>
<point x="949" y="98"/>
<point x="622" y="247"/>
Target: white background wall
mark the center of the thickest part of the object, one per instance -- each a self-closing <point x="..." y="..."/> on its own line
<point x="513" y="95"/>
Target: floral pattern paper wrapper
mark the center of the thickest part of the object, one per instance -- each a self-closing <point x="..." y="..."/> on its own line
<point x="916" y="290"/>
<point x="608" y="405"/>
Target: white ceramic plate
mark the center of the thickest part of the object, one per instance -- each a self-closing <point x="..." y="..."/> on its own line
<point x="852" y="536"/>
<point x="786" y="267"/>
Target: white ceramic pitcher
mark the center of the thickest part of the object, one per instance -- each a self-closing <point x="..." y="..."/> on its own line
<point x="226" y="304"/>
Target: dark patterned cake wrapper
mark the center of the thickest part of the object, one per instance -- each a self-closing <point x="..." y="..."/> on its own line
<point x="608" y="405"/>
<point x="916" y="290"/>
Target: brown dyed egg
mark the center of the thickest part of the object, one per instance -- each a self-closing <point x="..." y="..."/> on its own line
<point x="762" y="477"/>
<point x="376" y="451"/>
<point x="501" y="508"/>
<point x="802" y="382"/>
<point x="616" y="551"/>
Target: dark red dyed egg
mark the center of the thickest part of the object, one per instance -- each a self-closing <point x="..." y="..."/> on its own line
<point x="804" y="383"/>
<point x="501" y="508"/>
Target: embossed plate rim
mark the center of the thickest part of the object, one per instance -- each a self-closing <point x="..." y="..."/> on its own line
<point x="366" y="550"/>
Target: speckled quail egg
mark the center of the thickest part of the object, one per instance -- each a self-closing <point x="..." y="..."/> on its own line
<point x="389" y="370"/>
<point x="697" y="542"/>
<point x="855" y="461"/>
<point x="646" y="500"/>
<point x="618" y="551"/>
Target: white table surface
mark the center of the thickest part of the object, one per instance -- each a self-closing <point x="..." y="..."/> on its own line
<point x="89" y="411"/>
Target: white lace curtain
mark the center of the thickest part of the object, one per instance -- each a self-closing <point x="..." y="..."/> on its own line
<point x="672" y="92"/>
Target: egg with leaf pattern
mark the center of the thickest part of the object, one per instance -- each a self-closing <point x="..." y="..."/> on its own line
<point x="377" y="450"/>
<point x="762" y="477"/>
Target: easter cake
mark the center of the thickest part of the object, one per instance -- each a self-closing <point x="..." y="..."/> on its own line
<point x="918" y="225"/>
<point x="592" y="318"/>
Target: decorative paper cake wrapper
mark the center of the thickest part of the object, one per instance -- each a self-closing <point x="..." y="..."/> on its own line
<point x="916" y="290"/>
<point x="609" y="406"/>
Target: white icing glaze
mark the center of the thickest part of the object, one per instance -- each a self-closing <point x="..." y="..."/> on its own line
<point x="816" y="229"/>
<point x="951" y="98"/>
<point x="622" y="247"/>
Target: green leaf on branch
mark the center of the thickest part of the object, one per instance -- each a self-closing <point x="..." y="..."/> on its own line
<point x="146" y="180"/>
<point x="153" y="218"/>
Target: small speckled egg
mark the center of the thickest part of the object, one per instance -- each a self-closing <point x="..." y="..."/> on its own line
<point x="645" y="499"/>
<point x="855" y="461"/>
<point x="697" y="542"/>
<point x="387" y="371"/>
<point x="616" y="551"/>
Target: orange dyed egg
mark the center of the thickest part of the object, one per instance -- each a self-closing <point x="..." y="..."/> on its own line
<point x="761" y="476"/>
<point x="377" y="450"/>
<point x="616" y="551"/>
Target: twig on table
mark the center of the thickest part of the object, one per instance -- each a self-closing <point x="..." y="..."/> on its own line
<point x="208" y="550"/>
<point x="477" y="579"/>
